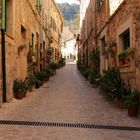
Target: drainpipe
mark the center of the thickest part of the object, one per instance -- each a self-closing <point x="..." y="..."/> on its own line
<point x="4" y="98"/>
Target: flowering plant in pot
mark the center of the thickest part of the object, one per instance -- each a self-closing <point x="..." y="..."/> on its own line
<point x="130" y="51"/>
<point x="19" y="89"/>
<point x="132" y="102"/>
<point x="123" y="58"/>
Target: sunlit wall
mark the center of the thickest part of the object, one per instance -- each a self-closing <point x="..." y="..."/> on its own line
<point x="114" y="4"/>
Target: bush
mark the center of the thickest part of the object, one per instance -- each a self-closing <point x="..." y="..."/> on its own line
<point x="132" y="100"/>
<point x="53" y="66"/>
<point x="61" y="63"/>
<point x="31" y="81"/>
<point x="19" y="86"/>
<point x="49" y="71"/>
<point x="41" y="75"/>
<point x="112" y="83"/>
<point x="94" y="76"/>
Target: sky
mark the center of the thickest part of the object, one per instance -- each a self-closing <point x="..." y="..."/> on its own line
<point x="68" y="1"/>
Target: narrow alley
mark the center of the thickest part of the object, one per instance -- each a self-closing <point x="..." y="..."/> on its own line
<point x="66" y="98"/>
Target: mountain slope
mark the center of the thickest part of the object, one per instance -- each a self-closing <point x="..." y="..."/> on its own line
<point x="70" y="12"/>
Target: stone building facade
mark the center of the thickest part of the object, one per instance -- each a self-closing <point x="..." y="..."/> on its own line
<point x="87" y="25"/>
<point x="119" y="22"/>
<point x="27" y="29"/>
<point x="56" y="27"/>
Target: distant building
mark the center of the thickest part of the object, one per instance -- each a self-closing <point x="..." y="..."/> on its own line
<point x="69" y="50"/>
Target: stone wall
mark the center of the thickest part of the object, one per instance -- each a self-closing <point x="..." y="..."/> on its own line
<point x="120" y="18"/>
<point x="100" y="18"/>
<point x="127" y="14"/>
<point x="25" y="15"/>
<point x="0" y="13"/>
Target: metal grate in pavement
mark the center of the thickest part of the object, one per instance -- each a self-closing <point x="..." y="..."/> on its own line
<point x="71" y="125"/>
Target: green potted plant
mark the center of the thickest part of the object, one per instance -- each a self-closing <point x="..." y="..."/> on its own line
<point x="31" y="81"/>
<point x="123" y="58"/>
<point x="130" y="51"/>
<point x="132" y="102"/>
<point x="19" y="89"/>
<point x="49" y="51"/>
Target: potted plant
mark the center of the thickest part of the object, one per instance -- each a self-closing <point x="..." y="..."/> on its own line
<point x="132" y="102"/>
<point x="112" y="48"/>
<point x="38" y="83"/>
<point x="123" y="58"/>
<point x="31" y="81"/>
<point x="19" y="89"/>
<point x="130" y="51"/>
<point x="21" y="47"/>
<point x="49" y="51"/>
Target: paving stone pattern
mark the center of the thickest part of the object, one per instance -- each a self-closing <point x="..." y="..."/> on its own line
<point x="66" y="98"/>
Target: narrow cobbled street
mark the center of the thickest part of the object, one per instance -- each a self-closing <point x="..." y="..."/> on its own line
<point x="66" y="98"/>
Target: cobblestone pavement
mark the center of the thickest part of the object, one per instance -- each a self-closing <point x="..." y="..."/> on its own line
<point x="66" y="98"/>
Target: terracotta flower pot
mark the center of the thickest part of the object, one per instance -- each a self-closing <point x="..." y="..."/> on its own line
<point x="94" y="86"/>
<point x="132" y="111"/>
<point x="120" y="104"/>
<point x="114" y="49"/>
<point x="32" y="88"/>
<point x="20" y="95"/>
<point x="121" y="62"/>
<point x="47" y="79"/>
<point x="126" y="62"/>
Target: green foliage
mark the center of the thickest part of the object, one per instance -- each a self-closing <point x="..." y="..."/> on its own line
<point x="61" y="63"/>
<point x="126" y="54"/>
<point x="94" y="76"/>
<point x="112" y="83"/>
<point x="123" y="56"/>
<point x="19" y="86"/>
<point x="132" y="100"/>
<point x="31" y="81"/>
<point x="95" y="57"/>
<point x="49" y="71"/>
<point x="53" y="66"/>
<point x="41" y="75"/>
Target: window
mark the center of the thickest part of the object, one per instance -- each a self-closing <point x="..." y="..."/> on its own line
<point x="23" y="32"/>
<point x="32" y="40"/>
<point x="43" y="45"/>
<point x="99" y="3"/>
<point x="38" y="5"/>
<point x="126" y="40"/>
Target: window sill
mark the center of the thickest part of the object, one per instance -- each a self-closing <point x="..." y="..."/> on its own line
<point x="126" y="65"/>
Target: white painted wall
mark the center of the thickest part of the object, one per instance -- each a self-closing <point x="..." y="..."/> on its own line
<point x="69" y="48"/>
<point x="83" y="7"/>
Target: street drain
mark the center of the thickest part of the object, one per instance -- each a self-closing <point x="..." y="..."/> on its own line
<point x="71" y="125"/>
